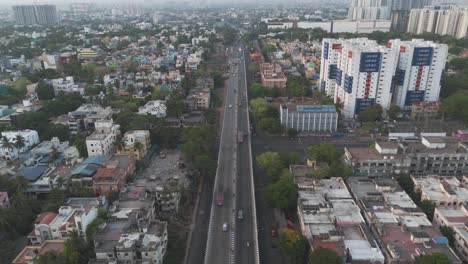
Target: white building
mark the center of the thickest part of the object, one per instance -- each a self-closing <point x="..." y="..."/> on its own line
<point x="441" y="20"/>
<point x="309" y="117"/>
<point x="455" y="217"/>
<point x="155" y="108"/>
<point x="31" y="138"/>
<point x="101" y="141"/>
<point x="418" y="72"/>
<point x="369" y="9"/>
<point x="134" y="136"/>
<point x="357" y="73"/>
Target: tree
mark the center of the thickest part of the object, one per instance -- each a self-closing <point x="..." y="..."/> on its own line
<point x="326" y="152"/>
<point x="52" y="257"/>
<point x="19" y="142"/>
<point x="56" y="130"/>
<point x="427" y="206"/>
<point x="449" y="233"/>
<point x="119" y="144"/>
<point x="282" y="194"/>
<point x="296" y="86"/>
<point x="294" y="245"/>
<point x="394" y="112"/>
<point x="454" y="107"/>
<point x="434" y="258"/>
<point x="268" y="48"/>
<point x="324" y="256"/>
<point x="80" y="145"/>
<point x="6" y="144"/>
<point x="45" y="91"/>
<point x="258" y="90"/>
<point x="371" y="113"/>
<point x="270" y="125"/>
<point x="20" y="85"/>
<point x="270" y="163"/>
<point x="258" y="106"/>
<point x="205" y="165"/>
<point x="176" y="105"/>
<point x="77" y="250"/>
<point x="292" y="133"/>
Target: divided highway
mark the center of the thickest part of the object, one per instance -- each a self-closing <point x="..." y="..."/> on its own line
<point x="232" y="235"/>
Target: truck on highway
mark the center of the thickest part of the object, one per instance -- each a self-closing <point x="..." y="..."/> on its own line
<point x="220" y="196"/>
<point x="240" y="137"/>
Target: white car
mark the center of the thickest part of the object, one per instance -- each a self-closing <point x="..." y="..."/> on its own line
<point x="230" y="106"/>
<point x="225" y="227"/>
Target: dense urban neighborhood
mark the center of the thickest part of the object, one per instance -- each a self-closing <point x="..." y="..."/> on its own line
<point x="311" y="132"/>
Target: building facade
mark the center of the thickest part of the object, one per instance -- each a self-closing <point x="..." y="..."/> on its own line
<point x="418" y="72"/>
<point x="441" y="20"/>
<point x="35" y="14"/>
<point x="30" y="138"/>
<point x="101" y="141"/>
<point x="137" y="143"/>
<point x="112" y="175"/>
<point x="308" y="118"/>
<point x="369" y="9"/>
<point x="272" y="76"/>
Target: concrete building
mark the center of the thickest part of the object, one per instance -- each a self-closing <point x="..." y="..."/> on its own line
<point x="137" y="143"/>
<point x="112" y="175"/>
<point x="369" y="9"/>
<point x="35" y="14"/>
<point x="30" y="254"/>
<point x="442" y="191"/>
<point x="155" y="108"/>
<point x="455" y="217"/>
<point x="4" y="200"/>
<point x="199" y="99"/>
<point x="330" y="218"/>
<point x="401" y="11"/>
<point x="425" y="110"/>
<point x="30" y="138"/>
<point x="399" y="227"/>
<point x="441" y="20"/>
<point x="272" y="76"/>
<point x="357" y="73"/>
<point x="418" y="72"/>
<point x="430" y="156"/>
<point x="87" y="53"/>
<point x="101" y="141"/>
<point x="70" y="218"/>
<point x="309" y="118"/>
<point x="84" y="118"/>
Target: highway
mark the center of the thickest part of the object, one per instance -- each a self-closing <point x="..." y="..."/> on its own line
<point x="234" y="177"/>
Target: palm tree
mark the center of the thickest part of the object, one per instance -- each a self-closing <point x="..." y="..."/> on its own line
<point x="19" y="142"/>
<point x="5" y="143"/>
<point x="20" y="184"/>
<point x="119" y="144"/>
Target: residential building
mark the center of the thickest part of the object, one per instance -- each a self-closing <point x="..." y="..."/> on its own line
<point x="455" y="217"/>
<point x="309" y="118"/>
<point x="441" y="191"/>
<point x="272" y="76"/>
<point x="4" y="200"/>
<point x="425" y="110"/>
<point x="30" y="138"/>
<point x="418" y="72"/>
<point x="87" y="53"/>
<point x="112" y="175"/>
<point x="441" y="20"/>
<point x="101" y="141"/>
<point x="399" y="227"/>
<point x="366" y="9"/>
<point x="84" y="118"/>
<point x="70" y="218"/>
<point x="137" y="143"/>
<point x="155" y="108"/>
<point x="430" y="156"/>
<point x="35" y="14"/>
<point x="83" y="173"/>
<point x="30" y="254"/>
<point x="199" y="99"/>
<point x="357" y="73"/>
<point x="330" y="218"/>
<point x="401" y="11"/>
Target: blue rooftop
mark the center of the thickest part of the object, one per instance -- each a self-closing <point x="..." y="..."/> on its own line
<point x="316" y="108"/>
<point x="98" y="160"/>
<point x="32" y="173"/>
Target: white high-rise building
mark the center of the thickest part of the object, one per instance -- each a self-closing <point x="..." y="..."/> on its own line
<point x="441" y="20"/>
<point x="369" y="9"/>
<point x="419" y="70"/>
<point x="358" y="73"/>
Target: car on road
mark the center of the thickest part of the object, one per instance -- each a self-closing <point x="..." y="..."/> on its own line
<point x="225" y="227"/>
<point x="230" y="105"/>
<point x="240" y="214"/>
<point x="274" y="233"/>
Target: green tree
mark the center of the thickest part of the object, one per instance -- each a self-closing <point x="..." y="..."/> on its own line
<point x="324" y="256"/>
<point x="371" y="114"/>
<point x="80" y="145"/>
<point x="77" y="250"/>
<point x="270" y="163"/>
<point x="282" y="194"/>
<point x="292" y="133"/>
<point x="258" y="107"/>
<point x="56" y="130"/>
<point x="205" y="165"/>
<point x="6" y="144"/>
<point x="258" y="90"/>
<point x="20" y="85"/>
<point x="394" y="112"/>
<point x="176" y="106"/>
<point x="269" y="48"/>
<point x="52" y="257"/>
<point x="19" y="142"/>
<point x="434" y="258"/>
<point x="45" y="91"/>
<point x="454" y="107"/>
<point x="427" y="206"/>
<point x="449" y="233"/>
<point x="270" y="125"/>
<point x="294" y="245"/>
<point x="326" y="152"/>
<point x="297" y="86"/>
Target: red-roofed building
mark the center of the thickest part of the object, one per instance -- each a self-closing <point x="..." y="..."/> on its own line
<point x="423" y="110"/>
<point x="30" y="254"/>
<point x="112" y="175"/>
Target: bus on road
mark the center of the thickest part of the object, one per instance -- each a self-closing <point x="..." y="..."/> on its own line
<point x="220" y="196"/>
